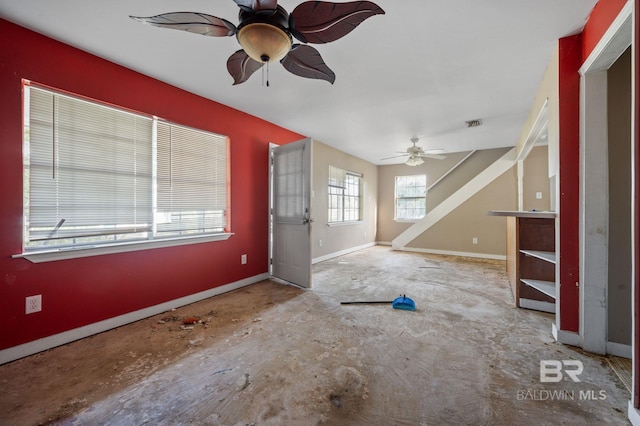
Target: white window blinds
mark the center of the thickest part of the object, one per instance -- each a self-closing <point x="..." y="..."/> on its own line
<point x="192" y="180"/>
<point x="89" y="169"/>
<point x="96" y="174"/>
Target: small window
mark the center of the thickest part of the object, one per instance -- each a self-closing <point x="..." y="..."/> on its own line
<point x="344" y="195"/>
<point x="411" y="195"/>
<point x="95" y="175"/>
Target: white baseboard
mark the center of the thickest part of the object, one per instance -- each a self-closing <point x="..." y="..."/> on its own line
<point x="633" y="414"/>
<point x="565" y="337"/>
<point x="619" y="349"/>
<point x="538" y="305"/>
<point x="341" y="253"/>
<point x="574" y="339"/>
<point x="455" y="253"/>
<point x="26" y="349"/>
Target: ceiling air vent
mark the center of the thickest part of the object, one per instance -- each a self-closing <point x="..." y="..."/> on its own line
<point x="473" y="123"/>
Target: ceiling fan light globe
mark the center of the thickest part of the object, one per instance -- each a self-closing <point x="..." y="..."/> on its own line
<point x="264" y="42"/>
<point x="414" y="160"/>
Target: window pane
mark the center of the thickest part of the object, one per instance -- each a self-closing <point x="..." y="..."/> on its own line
<point x="411" y="196"/>
<point x="289" y="181"/>
<point x="98" y="174"/>
<point x="191" y="180"/>
<point x="89" y="170"/>
<point x="344" y="195"/>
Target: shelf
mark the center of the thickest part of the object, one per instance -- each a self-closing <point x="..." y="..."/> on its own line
<point x="531" y="258"/>
<point x="547" y="256"/>
<point x="546" y="287"/>
<point x="538" y="306"/>
<point x="522" y="213"/>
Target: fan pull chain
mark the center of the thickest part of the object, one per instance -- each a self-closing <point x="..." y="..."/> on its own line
<point x="266" y="65"/>
<point x="265" y="61"/>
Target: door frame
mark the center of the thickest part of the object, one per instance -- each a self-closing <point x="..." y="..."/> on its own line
<point x="594" y="181"/>
<point x="270" y="210"/>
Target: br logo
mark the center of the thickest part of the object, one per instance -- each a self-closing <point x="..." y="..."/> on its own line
<point x="552" y="371"/>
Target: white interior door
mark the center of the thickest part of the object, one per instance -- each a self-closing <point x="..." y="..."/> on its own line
<point x="291" y="245"/>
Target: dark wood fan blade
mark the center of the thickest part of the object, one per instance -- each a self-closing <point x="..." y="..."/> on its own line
<point x="198" y="23"/>
<point x="257" y="5"/>
<point x="323" y="22"/>
<point x="241" y="66"/>
<point x="306" y="61"/>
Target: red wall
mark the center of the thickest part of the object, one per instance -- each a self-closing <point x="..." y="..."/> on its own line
<point x="600" y="19"/>
<point x="573" y="51"/>
<point x="570" y="59"/>
<point x="83" y="291"/>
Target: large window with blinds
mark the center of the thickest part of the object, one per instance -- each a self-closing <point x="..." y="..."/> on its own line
<point x="96" y="175"/>
<point x="344" y="195"/>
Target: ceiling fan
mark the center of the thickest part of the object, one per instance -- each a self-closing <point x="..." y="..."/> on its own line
<point x="416" y="155"/>
<point x="266" y="31"/>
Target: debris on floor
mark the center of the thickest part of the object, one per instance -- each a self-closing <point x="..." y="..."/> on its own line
<point x="467" y="356"/>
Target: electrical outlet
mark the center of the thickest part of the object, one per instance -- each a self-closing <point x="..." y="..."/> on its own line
<point x="475" y="240"/>
<point x="539" y="195"/>
<point x="243" y="259"/>
<point x="320" y="243"/>
<point x="33" y="304"/>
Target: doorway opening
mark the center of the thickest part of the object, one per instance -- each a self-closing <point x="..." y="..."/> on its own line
<point x="605" y="194"/>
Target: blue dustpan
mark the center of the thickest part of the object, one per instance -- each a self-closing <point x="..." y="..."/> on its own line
<point x="405" y="303"/>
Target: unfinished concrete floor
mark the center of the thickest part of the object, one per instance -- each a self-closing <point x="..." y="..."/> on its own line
<point x="271" y="354"/>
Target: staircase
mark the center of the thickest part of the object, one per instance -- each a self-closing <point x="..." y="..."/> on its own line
<point x="471" y="188"/>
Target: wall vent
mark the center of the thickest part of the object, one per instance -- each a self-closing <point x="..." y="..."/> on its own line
<point x="473" y="123"/>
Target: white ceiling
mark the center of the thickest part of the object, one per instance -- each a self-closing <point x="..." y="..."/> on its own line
<point x="422" y="69"/>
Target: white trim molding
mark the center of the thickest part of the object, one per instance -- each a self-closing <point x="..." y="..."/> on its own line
<point x="565" y="337"/>
<point x="20" y="351"/>
<point x="612" y="44"/>
<point x="447" y="252"/>
<point x="88" y="251"/>
<point x="619" y="349"/>
<point x="633" y="414"/>
<point x="454" y="253"/>
<point x="341" y="253"/>
<point x="594" y="211"/>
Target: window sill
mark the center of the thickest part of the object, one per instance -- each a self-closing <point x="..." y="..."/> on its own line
<point x="407" y="220"/>
<point x="351" y="222"/>
<point x="77" y="252"/>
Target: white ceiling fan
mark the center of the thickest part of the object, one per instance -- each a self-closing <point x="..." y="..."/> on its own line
<point x="416" y="155"/>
